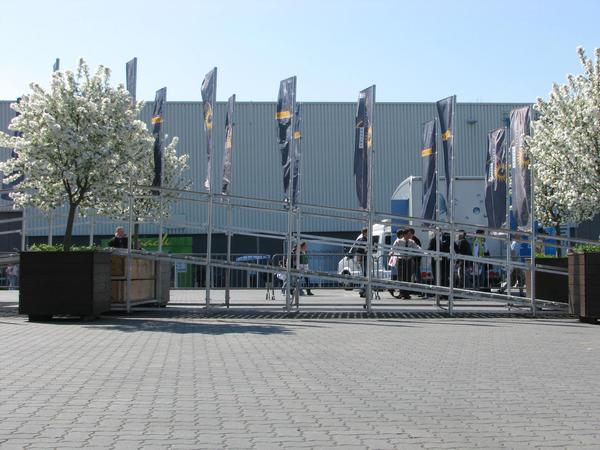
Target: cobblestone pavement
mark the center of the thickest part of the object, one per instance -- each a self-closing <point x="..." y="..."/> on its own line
<point x="174" y="379"/>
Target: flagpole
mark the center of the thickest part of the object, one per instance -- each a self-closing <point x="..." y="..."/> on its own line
<point x="296" y="195"/>
<point x="451" y="195"/>
<point x="208" y="185"/>
<point x="370" y="153"/>
<point x="532" y="264"/>
<point x="509" y="173"/>
<point x="228" y="271"/>
<point x="438" y="230"/>
<point x="290" y="203"/>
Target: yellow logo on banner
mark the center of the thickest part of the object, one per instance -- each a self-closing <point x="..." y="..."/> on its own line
<point x="446" y="135"/>
<point x="228" y="140"/>
<point x="297" y="135"/>
<point x="500" y="174"/>
<point x="157" y="119"/>
<point x="427" y="151"/>
<point x="283" y="115"/>
<point x="523" y="158"/>
<point x="208" y="117"/>
<point x="369" y="137"/>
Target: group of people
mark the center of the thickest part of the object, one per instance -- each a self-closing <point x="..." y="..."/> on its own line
<point x="405" y="261"/>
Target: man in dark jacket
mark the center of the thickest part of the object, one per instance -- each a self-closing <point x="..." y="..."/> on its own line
<point x="462" y="247"/>
<point x="119" y="240"/>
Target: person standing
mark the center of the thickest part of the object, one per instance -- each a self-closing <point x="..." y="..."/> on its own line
<point x="444" y="263"/>
<point x="304" y="265"/>
<point x="405" y="260"/>
<point x="359" y="250"/>
<point x="12" y="272"/>
<point x="417" y="259"/>
<point x="462" y="247"/>
<point x="480" y="250"/>
<point x="119" y="240"/>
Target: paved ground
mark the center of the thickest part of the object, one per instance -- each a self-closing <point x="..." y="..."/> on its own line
<point x="173" y="379"/>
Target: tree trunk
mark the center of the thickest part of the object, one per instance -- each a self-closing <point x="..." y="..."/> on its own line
<point x="558" y="248"/>
<point x="67" y="242"/>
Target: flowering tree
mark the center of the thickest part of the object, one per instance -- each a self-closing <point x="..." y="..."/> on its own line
<point x="565" y="148"/>
<point x="79" y="141"/>
<point x="145" y="205"/>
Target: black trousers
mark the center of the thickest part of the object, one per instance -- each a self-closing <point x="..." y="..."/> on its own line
<point x="405" y="268"/>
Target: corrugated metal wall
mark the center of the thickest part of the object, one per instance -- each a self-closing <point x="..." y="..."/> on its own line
<point x="327" y="146"/>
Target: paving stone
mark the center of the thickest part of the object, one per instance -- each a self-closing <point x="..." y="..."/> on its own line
<point x="167" y="379"/>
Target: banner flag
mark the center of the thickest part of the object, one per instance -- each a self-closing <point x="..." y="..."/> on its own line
<point x="285" y="104"/>
<point x="296" y="143"/>
<point x="131" y="78"/>
<point x="56" y="66"/>
<point x="520" y="119"/>
<point x="495" y="184"/>
<point x="157" y="132"/>
<point x="209" y="95"/>
<point x="225" y="185"/>
<point x="363" y="144"/>
<point x="445" y="109"/>
<point x="13" y="154"/>
<point x="428" y="156"/>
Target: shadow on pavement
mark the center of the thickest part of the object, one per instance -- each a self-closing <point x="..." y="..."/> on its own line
<point x="133" y="325"/>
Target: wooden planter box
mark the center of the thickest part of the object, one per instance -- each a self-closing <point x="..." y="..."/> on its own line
<point x="584" y="286"/>
<point x="550" y="286"/>
<point x="150" y="281"/>
<point x="64" y="283"/>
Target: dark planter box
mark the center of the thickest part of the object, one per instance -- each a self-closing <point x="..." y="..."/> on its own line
<point x="584" y="286"/>
<point x="64" y="283"/>
<point x="550" y="286"/>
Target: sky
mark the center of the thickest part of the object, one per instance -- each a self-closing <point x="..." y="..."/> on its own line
<point x="413" y="51"/>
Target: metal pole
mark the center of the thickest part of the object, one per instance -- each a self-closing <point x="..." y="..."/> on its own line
<point x="128" y="267"/>
<point x="298" y="242"/>
<point x="370" y="153"/>
<point x="438" y="231"/>
<point x="208" y="273"/>
<point x="532" y="264"/>
<point x="509" y="176"/>
<point x="228" y="271"/>
<point x="296" y="136"/>
<point x="290" y="196"/>
<point x="451" y="195"/>
<point x="50" y="226"/>
<point x="92" y="223"/>
<point x="23" y="233"/>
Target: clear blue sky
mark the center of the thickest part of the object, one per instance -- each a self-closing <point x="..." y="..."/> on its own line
<point x="483" y="51"/>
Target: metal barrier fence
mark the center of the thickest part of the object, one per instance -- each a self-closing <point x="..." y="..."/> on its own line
<point x="429" y="272"/>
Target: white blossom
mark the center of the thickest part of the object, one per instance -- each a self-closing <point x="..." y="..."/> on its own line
<point x="565" y="148"/>
<point x="81" y="142"/>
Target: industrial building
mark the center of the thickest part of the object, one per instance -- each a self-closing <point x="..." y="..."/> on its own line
<point x="327" y="162"/>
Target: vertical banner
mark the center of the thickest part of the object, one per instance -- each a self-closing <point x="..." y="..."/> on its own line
<point x="296" y="144"/>
<point x="157" y="132"/>
<point x="131" y="78"/>
<point x="56" y="66"/>
<point x="495" y="184"/>
<point x="226" y="182"/>
<point x="363" y="144"/>
<point x="428" y="157"/>
<point x="209" y="95"/>
<point x="520" y="119"/>
<point x="285" y="102"/>
<point x="445" y="109"/>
